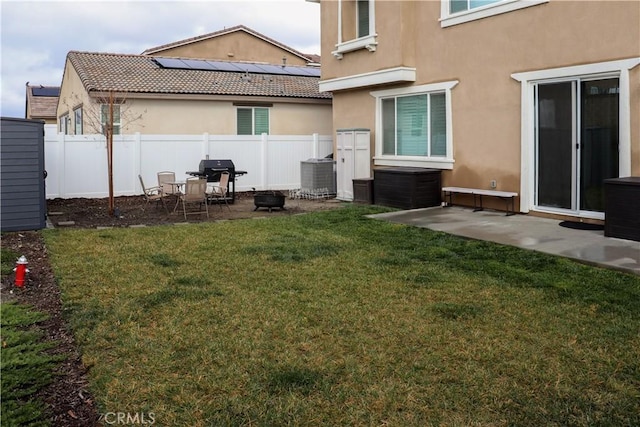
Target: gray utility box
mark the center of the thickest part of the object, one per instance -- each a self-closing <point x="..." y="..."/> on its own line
<point x="318" y="174"/>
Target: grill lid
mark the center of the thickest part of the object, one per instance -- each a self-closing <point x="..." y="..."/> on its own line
<point x="219" y="164"/>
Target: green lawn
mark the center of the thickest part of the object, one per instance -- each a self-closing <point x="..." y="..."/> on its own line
<point x="25" y="365"/>
<point x="332" y="318"/>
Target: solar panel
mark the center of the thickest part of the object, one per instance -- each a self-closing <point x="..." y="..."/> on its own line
<point x="315" y="72"/>
<point x="45" y="91"/>
<point x="225" y="66"/>
<point x="302" y="71"/>
<point x="262" y="68"/>
<point x="236" y="67"/>
<point x="172" y="63"/>
<point x="198" y="64"/>
<point x="273" y="69"/>
<point x="250" y="68"/>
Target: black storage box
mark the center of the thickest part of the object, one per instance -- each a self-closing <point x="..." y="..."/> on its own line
<point x="363" y="190"/>
<point x="622" y="208"/>
<point x="407" y="187"/>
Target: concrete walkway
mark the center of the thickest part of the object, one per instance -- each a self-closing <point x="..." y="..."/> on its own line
<point x="528" y="232"/>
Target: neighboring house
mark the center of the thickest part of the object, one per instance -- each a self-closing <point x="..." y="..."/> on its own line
<point x="537" y="97"/>
<point x="237" y="43"/>
<point x="41" y="103"/>
<point x="197" y="92"/>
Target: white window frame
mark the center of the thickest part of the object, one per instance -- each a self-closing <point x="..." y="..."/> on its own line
<point x="117" y="125"/>
<point x="448" y="19"/>
<point x="64" y="124"/>
<point x="253" y="118"/>
<point x="445" y="162"/>
<point x="77" y="127"/>
<point x="528" y="81"/>
<point x="367" y="42"/>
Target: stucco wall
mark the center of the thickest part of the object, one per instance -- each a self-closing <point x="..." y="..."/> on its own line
<point x="193" y="115"/>
<point x="171" y="117"/>
<point x="558" y="33"/>
<point x="219" y="117"/>
<point x="72" y="95"/>
<point x="482" y="55"/>
<point x="236" y="46"/>
<point x="301" y="119"/>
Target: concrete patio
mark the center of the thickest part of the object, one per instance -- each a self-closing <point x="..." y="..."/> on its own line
<point x="528" y="232"/>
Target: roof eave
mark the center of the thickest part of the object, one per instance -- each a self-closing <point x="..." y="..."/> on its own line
<point x="213" y="97"/>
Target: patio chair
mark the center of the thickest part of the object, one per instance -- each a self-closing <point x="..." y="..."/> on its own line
<point x="195" y="192"/>
<point x="164" y="180"/>
<point x="152" y="194"/>
<point x="218" y="192"/>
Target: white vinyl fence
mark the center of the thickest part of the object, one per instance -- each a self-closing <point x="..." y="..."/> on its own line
<point x="77" y="165"/>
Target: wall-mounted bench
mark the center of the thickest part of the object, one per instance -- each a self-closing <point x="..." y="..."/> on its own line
<point x="507" y="196"/>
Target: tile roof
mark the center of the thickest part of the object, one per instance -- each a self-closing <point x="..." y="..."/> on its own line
<point x="308" y="58"/>
<point x="41" y="107"/>
<point x="102" y="72"/>
<point x="313" y="57"/>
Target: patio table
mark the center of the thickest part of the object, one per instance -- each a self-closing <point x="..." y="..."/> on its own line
<point x="176" y="189"/>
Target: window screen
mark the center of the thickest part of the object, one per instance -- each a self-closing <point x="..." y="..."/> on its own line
<point x="415" y="125"/>
<point x="105" y="118"/>
<point x="462" y="5"/>
<point x="363" y="18"/>
<point x="438" y="125"/>
<point x="77" y="121"/>
<point x="412" y="125"/>
<point x="261" y="120"/>
<point x="245" y="121"/>
<point x="253" y="121"/>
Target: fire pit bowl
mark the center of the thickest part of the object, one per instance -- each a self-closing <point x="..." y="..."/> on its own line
<point x="268" y="199"/>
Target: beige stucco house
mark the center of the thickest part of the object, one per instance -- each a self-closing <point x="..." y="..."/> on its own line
<point x="538" y="97"/>
<point x="235" y="81"/>
<point x="239" y="43"/>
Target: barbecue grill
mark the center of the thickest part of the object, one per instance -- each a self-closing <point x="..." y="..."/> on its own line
<point x="212" y="169"/>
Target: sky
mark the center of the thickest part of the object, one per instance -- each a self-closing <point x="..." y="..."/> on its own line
<point x="35" y="36"/>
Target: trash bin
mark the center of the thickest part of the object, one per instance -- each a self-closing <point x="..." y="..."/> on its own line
<point x="363" y="190"/>
<point x="622" y="207"/>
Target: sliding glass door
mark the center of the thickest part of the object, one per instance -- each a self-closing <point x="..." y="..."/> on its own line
<point x="577" y="126"/>
<point x="599" y="129"/>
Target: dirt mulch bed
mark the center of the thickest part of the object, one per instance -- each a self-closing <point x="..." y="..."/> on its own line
<point x="91" y="213"/>
<point x="68" y="399"/>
